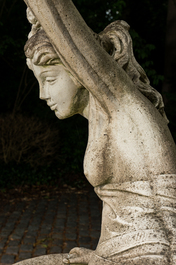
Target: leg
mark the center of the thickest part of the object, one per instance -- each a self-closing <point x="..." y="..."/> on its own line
<point x="143" y="260"/>
<point x="52" y="259"/>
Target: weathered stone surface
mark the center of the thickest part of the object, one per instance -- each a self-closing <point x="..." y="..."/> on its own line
<point x="53" y="259"/>
<point x="130" y="156"/>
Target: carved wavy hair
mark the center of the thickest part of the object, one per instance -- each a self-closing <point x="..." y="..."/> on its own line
<point x="40" y="51"/>
<point x="118" y="43"/>
<point x="116" y="40"/>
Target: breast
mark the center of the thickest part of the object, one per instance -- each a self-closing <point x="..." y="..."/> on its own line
<point x="97" y="159"/>
<point x="113" y="152"/>
<point x="131" y="146"/>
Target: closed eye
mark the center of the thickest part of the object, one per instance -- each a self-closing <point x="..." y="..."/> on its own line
<point x="50" y="80"/>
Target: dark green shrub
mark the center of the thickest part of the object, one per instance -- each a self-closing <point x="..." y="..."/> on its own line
<point x="28" y="140"/>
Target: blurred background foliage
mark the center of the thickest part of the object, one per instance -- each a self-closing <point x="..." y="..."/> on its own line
<point x="36" y="147"/>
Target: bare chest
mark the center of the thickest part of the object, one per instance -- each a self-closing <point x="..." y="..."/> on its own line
<point x="97" y="159"/>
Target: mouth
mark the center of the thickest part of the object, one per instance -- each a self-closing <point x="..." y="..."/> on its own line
<point x="52" y="105"/>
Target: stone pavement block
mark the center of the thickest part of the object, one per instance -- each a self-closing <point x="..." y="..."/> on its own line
<point x="48" y="219"/>
<point x="16" y="236"/>
<point x="31" y="233"/>
<point x="2" y="243"/>
<point x="95" y="210"/>
<point x="27" y="248"/>
<point x="42" y="238"/>
<point x="72" y="213"/>
<point x="83" y="212"/>
<point x="39" y="251"/>
<point x="5" y="233"/>
<point x="70" y="235"/>
<point x="84" y="231"/>
<point x="13" y="218"/>
<point x="73" y="204"/>
<point x="45" y="231"/>
<point x="96" y="219"/>
<point x="19" y="231"/>
<point x="71" y="229"/>
<point x="26" y="216"/>
<point x="69" y="245"/>
<point x="62" y="205"/>
<point x="2" y="219"/>
<point x="84" y="219"/>
<point x="14" y="243"/>
<point x="55" y="249"/>
<point x="96" y="226"/>
<point x="61" y="214"/>
<point x="57" y="242"/>
<point x="39" y="212"/>
<point x="94" y="243"/>
<point x="95" y="233"/>
<point x="85" y="240"/>
<point x="32" y="228"/>
<point x="15" y="214"/>
<point x="52" y="207"/>
<point x="9" y="226"/>
<point x="24" y="255"/>
<point x="34" y="224"/>
<point x="60" y="222"/>
<point x="84" y="226"/>
<point x="71" y="223"/>
<point x="22" y="224"/>
<point x="37" y="219"/>
<point x="58" y="230"/>
<point x="29" y="240"/>
<point x="12" y="250"/>
<point x="58" y="235"/>
<point x="28" y="235"/>
<point x="9" y="259"/>
<point x="83" y="205"/>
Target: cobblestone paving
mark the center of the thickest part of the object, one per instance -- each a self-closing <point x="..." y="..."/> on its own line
<point x="30" y="228"/>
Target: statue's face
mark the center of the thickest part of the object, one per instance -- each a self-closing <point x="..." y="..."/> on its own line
<point x="62" y="94"/>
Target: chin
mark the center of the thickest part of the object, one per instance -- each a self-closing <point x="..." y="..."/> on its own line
<point x="63" y="116"/>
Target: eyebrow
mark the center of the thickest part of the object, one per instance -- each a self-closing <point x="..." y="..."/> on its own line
<point x="44" y="72"/>
<point x="48" y="70"/>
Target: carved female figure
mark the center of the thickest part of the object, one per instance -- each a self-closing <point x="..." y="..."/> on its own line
<point x="130" y="156"/>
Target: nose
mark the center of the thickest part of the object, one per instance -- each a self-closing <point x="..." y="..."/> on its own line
<point x="43" y="92"/>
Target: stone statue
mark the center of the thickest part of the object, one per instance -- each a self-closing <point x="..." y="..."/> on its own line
<point x="130" y="158"/>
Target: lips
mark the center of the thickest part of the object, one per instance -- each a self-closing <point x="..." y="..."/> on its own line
<point x="52" y="105"/>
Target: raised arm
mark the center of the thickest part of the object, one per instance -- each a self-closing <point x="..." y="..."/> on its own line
<point x="79" y="50"/>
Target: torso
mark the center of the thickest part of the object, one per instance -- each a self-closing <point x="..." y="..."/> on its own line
<point x="126" y="156"/>
<point x="130" y="146"/>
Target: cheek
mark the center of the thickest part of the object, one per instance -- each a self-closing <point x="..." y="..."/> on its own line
<point x="58" y="93"/>
<point x="63" y="92"/>
<point x="54" y="90"/>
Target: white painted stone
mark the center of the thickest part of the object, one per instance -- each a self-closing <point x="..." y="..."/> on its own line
<point x="130" y="156"/>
